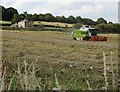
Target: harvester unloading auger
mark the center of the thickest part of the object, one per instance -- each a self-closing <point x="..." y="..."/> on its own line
<point x="87" y="33"/>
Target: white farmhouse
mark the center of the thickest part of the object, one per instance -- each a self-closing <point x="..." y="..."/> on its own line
<point x="25" y="24"/>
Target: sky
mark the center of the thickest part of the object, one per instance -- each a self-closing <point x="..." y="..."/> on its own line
<point x="93" y="9"/>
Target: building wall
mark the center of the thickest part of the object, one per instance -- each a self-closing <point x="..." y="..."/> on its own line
<point x="25" y="24"/>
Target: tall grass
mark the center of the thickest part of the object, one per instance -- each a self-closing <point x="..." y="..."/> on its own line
<point x="2" y="82"/>
<point x="89" y="88"/>
<point x="113" y="74"/>
<point x="24" y="78"/>
<point x="105" y="71"/>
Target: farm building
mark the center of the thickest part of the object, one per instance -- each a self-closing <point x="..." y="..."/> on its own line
<point x="25" y="24"/>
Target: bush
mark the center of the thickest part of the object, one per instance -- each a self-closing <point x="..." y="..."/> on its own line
<point x="5" y="24"/>
<point x="38" y="26"/>
<point x="34" y="29"/>
<point x="77" y="26"/>
<point x="109" y="28"/>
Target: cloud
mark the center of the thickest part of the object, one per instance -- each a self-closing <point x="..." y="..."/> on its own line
<point x="90" y="9"/>
<point x="68" y="8"/>
<point x="62" y="1"/>
<point x="84" y="9"/>
<point x="51" y="6"/>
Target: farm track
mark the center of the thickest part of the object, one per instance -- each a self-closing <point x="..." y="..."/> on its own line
<point x="24" y="36"/>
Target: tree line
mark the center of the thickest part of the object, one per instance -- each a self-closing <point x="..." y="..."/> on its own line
<point x="11" y="14"/>
<point x="48" y="17"/>
<point x="109" y="28"/>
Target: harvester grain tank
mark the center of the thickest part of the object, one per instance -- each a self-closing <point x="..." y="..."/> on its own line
<point x="87" y="33"/>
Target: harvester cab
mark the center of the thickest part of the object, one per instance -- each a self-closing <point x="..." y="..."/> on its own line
<point x="87" y="33"/>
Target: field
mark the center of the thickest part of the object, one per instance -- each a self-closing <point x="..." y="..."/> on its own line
<point x="50" y="24"/>
<point x="48" y="60"/>
<point x="54" y="24"/>
<point x="5" y="22"/>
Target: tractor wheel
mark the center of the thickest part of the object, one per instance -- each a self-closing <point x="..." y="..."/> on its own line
<point x="105" y="38"/>
<point x="74" y="38"/>
<point x="86" y="38"/>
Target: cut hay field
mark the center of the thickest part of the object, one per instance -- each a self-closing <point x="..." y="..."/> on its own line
<point x="48" y="60"/>
<point x="55" y="24"/>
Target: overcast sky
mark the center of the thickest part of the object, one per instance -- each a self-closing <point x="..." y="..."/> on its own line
<point x="93" y="9"/>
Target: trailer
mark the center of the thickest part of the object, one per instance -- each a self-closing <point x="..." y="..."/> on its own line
<point x="87" y="33"/>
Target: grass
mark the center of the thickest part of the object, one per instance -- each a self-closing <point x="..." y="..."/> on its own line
<point x="55" y="24"/>
<point x="27" y="77"/>
<point x="47" y="64"/>
<point x="5" y="22"/>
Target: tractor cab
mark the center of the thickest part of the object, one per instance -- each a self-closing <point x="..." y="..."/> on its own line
<point x="93" y="31"/>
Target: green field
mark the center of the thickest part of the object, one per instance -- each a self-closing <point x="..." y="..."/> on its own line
<point x="49" y="60"/>
<point x="55" y="24"/>
<point x="5" y="22"/>
<point x="44" y="23"/>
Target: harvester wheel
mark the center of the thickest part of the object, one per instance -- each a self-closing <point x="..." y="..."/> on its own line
<point x="86" y="38"/>
<point x="105" y="38"/>
<point x="74" y="38"/>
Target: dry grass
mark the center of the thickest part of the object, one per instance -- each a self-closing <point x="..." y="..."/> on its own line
<point x="53" y="24"/>
<point x="20" y="79"/>
<point x="50" y="64"/>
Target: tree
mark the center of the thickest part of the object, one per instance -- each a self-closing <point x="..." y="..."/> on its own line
<point x="88" y="21"/>
<point x="109" y="28"/>
<point x="34" y="17"/>
<point x="2" y="12"/>
<point x="41" y="17"/>
<point x="26" y="15"/>
<point x="101" y="20"/>
<point x="8" y="13"/>
<point x="29" y="16"/>
<point x="79" y="19"/>
<point x="110" y="22"/>
<point x="71" y="19"/>
<point x="49" y="17"/>
<point x="61" y="19"/>
<point x="17" y="18"/>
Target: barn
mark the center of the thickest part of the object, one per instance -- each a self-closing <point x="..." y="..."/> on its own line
<point x="25" y="24"/>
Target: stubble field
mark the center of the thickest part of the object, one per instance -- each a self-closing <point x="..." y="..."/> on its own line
<point x="58" y="62"/>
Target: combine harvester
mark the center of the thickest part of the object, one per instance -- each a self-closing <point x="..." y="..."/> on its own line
<point x="87" y="33"/>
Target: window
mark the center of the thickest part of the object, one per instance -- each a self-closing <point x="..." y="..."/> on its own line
<point x="93" y="32"/>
